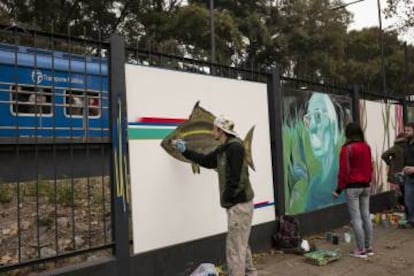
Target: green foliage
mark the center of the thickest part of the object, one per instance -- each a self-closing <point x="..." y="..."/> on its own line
<point x="64" y="193"/>
<point x="363" y="61"/>
<point x="7" y="192"/>
<point x="46" y="221"/>
<point x="304" y="37"/>
<point x="403" y="10"/>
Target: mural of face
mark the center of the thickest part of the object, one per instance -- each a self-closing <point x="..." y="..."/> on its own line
<point x="321" y="122"/>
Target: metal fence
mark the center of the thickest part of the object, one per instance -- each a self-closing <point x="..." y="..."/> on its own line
<point x="55" y="193"/>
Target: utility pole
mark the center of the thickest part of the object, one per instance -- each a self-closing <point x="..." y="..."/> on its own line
<point x="381" y="41"/>
<point x="406" y="92"/>
<point x="212" y="32"/>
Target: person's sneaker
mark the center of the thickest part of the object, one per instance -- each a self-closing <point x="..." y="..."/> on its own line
<point x="369" y="252"/>
<point x="358" y="254"/>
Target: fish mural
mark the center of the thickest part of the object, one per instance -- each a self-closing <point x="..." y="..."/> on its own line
<point x="197" y="133"/>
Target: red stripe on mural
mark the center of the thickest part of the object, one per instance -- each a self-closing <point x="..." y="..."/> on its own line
<point x="155" y="120"/>
<point x="261" y="203"/>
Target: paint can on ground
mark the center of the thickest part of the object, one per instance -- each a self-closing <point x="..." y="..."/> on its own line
<point x="335" y="239"/>
<point x="328" y="236"/>
<point x="347" y="237"/>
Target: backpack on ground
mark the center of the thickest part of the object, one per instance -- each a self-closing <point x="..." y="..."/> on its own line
<point x="288" y="235"/>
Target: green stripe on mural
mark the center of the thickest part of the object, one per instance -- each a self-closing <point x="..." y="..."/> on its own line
<point x="147" y="133"/>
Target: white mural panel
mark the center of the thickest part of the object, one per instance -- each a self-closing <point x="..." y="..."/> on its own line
<point x="171" y="204"/>
<point x="381" y="123"/>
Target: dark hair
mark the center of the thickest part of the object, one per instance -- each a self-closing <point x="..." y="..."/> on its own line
<point x="353" y="131"/>
<point x="410" y="125"/>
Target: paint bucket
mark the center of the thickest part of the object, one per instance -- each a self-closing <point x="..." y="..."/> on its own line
<point x="347" y="237"/>
<point x="335" y="239"/>
<point x="305" y="245"/>
<point x="328" y="236"/>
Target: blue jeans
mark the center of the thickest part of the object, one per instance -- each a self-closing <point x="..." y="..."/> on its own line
<point x="357" y="200"/>
<point x="409" y="198"/>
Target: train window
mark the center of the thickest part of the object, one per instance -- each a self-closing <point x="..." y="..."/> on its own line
<point x="94" y="104"/>
<point x="30" y="100"/>
<point x="76" y="101"/>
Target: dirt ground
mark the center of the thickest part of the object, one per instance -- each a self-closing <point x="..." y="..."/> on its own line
<point x="393" y="247"/>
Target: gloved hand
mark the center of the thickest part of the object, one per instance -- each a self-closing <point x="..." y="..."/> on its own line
<point x="180" y="145"/>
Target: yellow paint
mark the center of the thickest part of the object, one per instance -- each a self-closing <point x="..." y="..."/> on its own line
<point x="195" y="132"/>
<point x="116" y="172"/>
<point x="126" y="178"/>
<point x="121" y="178"/>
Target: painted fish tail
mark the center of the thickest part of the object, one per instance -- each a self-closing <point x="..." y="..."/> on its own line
<point x="196" y="168"/>
<point x="247" y="143"/>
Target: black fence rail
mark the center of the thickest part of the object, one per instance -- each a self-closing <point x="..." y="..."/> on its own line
<point x="55" y="187"/>
<point x="170" y="61"/>
<point x="330" y="87"/>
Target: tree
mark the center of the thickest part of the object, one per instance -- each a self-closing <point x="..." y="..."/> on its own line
<point x="314" y="36"/>
<point x="74" y="17"/>
<point x="404" y="10"/>
<point x="362" y="63"/>
<point x="192" y="29"/>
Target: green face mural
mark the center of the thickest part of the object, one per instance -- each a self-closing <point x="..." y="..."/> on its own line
<point x="312" y="137"/>
<point x="321" y="122"/>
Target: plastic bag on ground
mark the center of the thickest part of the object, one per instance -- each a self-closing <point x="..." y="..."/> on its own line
<point x="205" y="269"/>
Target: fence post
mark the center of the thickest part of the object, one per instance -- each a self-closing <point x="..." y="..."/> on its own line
<point x="275" y="102"/>
<point x="405" y="111"/>
<point x="119" y="187"/>
<point x="355" y="104"/>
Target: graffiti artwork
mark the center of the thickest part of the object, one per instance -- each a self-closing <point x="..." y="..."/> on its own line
<point x="381" y="122"/>
<point x="313" y="126"/>
<point x="196" y="131"/>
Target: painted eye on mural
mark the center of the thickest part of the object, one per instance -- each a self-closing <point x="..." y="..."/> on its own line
<point x="316" y="117"/>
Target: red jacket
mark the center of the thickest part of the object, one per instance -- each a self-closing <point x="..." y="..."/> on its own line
<point x="355" y="166"/>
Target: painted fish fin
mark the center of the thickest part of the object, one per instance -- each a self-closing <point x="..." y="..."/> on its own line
<point x="196" y="106"/>
<point x="247" y="143"/>
<point x="195" y="167"/>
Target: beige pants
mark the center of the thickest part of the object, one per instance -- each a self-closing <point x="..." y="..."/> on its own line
<point x="238" y="254"/>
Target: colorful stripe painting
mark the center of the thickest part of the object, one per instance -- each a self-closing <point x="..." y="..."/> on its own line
<point x="152" y="128"/>
<point x="263" y="204"/>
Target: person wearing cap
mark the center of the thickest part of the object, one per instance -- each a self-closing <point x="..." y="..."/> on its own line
<point x="236" y="193"/>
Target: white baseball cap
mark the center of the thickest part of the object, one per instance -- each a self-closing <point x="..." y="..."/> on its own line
<point x="225" y="125"/>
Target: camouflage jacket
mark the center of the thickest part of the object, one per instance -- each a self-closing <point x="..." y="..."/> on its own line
<point x="232" y="171"/>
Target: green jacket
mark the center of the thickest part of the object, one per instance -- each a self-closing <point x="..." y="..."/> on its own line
<point x="232" y="171"/>
<point x="394" y="158"/>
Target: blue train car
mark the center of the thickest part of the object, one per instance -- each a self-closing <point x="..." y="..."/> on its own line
<point x="50" y="94"/>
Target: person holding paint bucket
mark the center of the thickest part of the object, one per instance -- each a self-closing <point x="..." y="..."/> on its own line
<point x="355" y="171"/>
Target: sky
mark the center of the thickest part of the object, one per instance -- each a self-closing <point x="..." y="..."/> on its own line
<point x="366" y="15"/>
